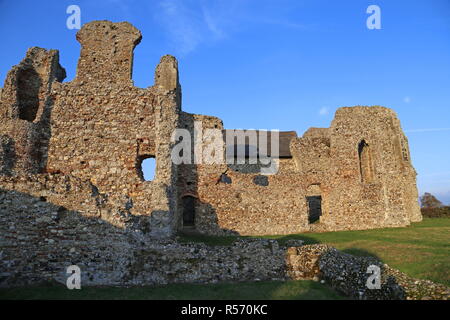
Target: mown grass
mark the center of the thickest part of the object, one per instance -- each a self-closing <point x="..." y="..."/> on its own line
<point x="421" y="250"/>
<point x="266" y="290"/>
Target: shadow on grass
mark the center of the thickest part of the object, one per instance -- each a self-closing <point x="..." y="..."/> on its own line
<point x="263" y="290"/>
<point x="361" y="253"/>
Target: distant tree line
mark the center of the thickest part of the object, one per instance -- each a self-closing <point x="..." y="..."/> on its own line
<point x="431" y="207"/>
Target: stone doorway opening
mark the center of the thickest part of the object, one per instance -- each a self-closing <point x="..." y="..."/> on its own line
<point x="314" y="208"/>
<point x="189" y="203"/>
<point x="314" y="203"/>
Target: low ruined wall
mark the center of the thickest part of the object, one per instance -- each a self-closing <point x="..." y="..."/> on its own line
<point x="348" y="275"/>
<point x="69" y="193"/>
<point x="40" y="240"/>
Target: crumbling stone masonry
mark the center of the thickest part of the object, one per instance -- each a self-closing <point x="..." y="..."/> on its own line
<point x="39" y="240"/>
<point x="359" y="170"/>
<point x="80" y="145"/>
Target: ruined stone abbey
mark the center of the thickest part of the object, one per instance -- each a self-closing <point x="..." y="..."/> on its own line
<point x="79" y="146"/>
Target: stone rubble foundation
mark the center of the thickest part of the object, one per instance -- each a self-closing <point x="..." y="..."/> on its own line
<point x="40" y="240"/>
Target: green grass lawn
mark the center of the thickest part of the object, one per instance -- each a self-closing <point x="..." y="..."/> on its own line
<point x="267" y="290"/>
<point x="421" y="250"/>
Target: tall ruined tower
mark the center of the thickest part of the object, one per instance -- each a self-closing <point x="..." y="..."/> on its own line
<point x="97" y="128"/>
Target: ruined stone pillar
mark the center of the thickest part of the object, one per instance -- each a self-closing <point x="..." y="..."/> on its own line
<point x="167" y="78"/>
<point x="27" y="85"/>
<point x="107" y="52"/>
<point x="25" y="110"/>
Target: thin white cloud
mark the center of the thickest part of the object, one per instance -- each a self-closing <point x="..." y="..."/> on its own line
<point x="212" y="23"/>
<point x="282" y="23"/>
<point x="323" y="111"/>
<point x="428" y="130"/>
<point x="181" y="23"/>
<point x="191" y="23"/>
<point x="406" y="99"/>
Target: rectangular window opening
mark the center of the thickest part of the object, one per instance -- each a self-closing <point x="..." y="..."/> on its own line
<point x="314" y="208"/>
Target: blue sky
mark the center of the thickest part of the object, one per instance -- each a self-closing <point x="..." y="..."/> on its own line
<point x="284" y="65"/>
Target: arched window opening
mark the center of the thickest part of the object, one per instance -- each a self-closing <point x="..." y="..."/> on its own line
<point x="146" y="167"/>
<point x="365" y="162"/>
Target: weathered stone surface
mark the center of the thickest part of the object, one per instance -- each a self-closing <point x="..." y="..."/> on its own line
<point x="25" y="111"/>
<point x="107" y="52"/>
<point x="349" y="275"/>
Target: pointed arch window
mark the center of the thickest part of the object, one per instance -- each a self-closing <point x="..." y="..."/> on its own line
<point x="365" y="162"/>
